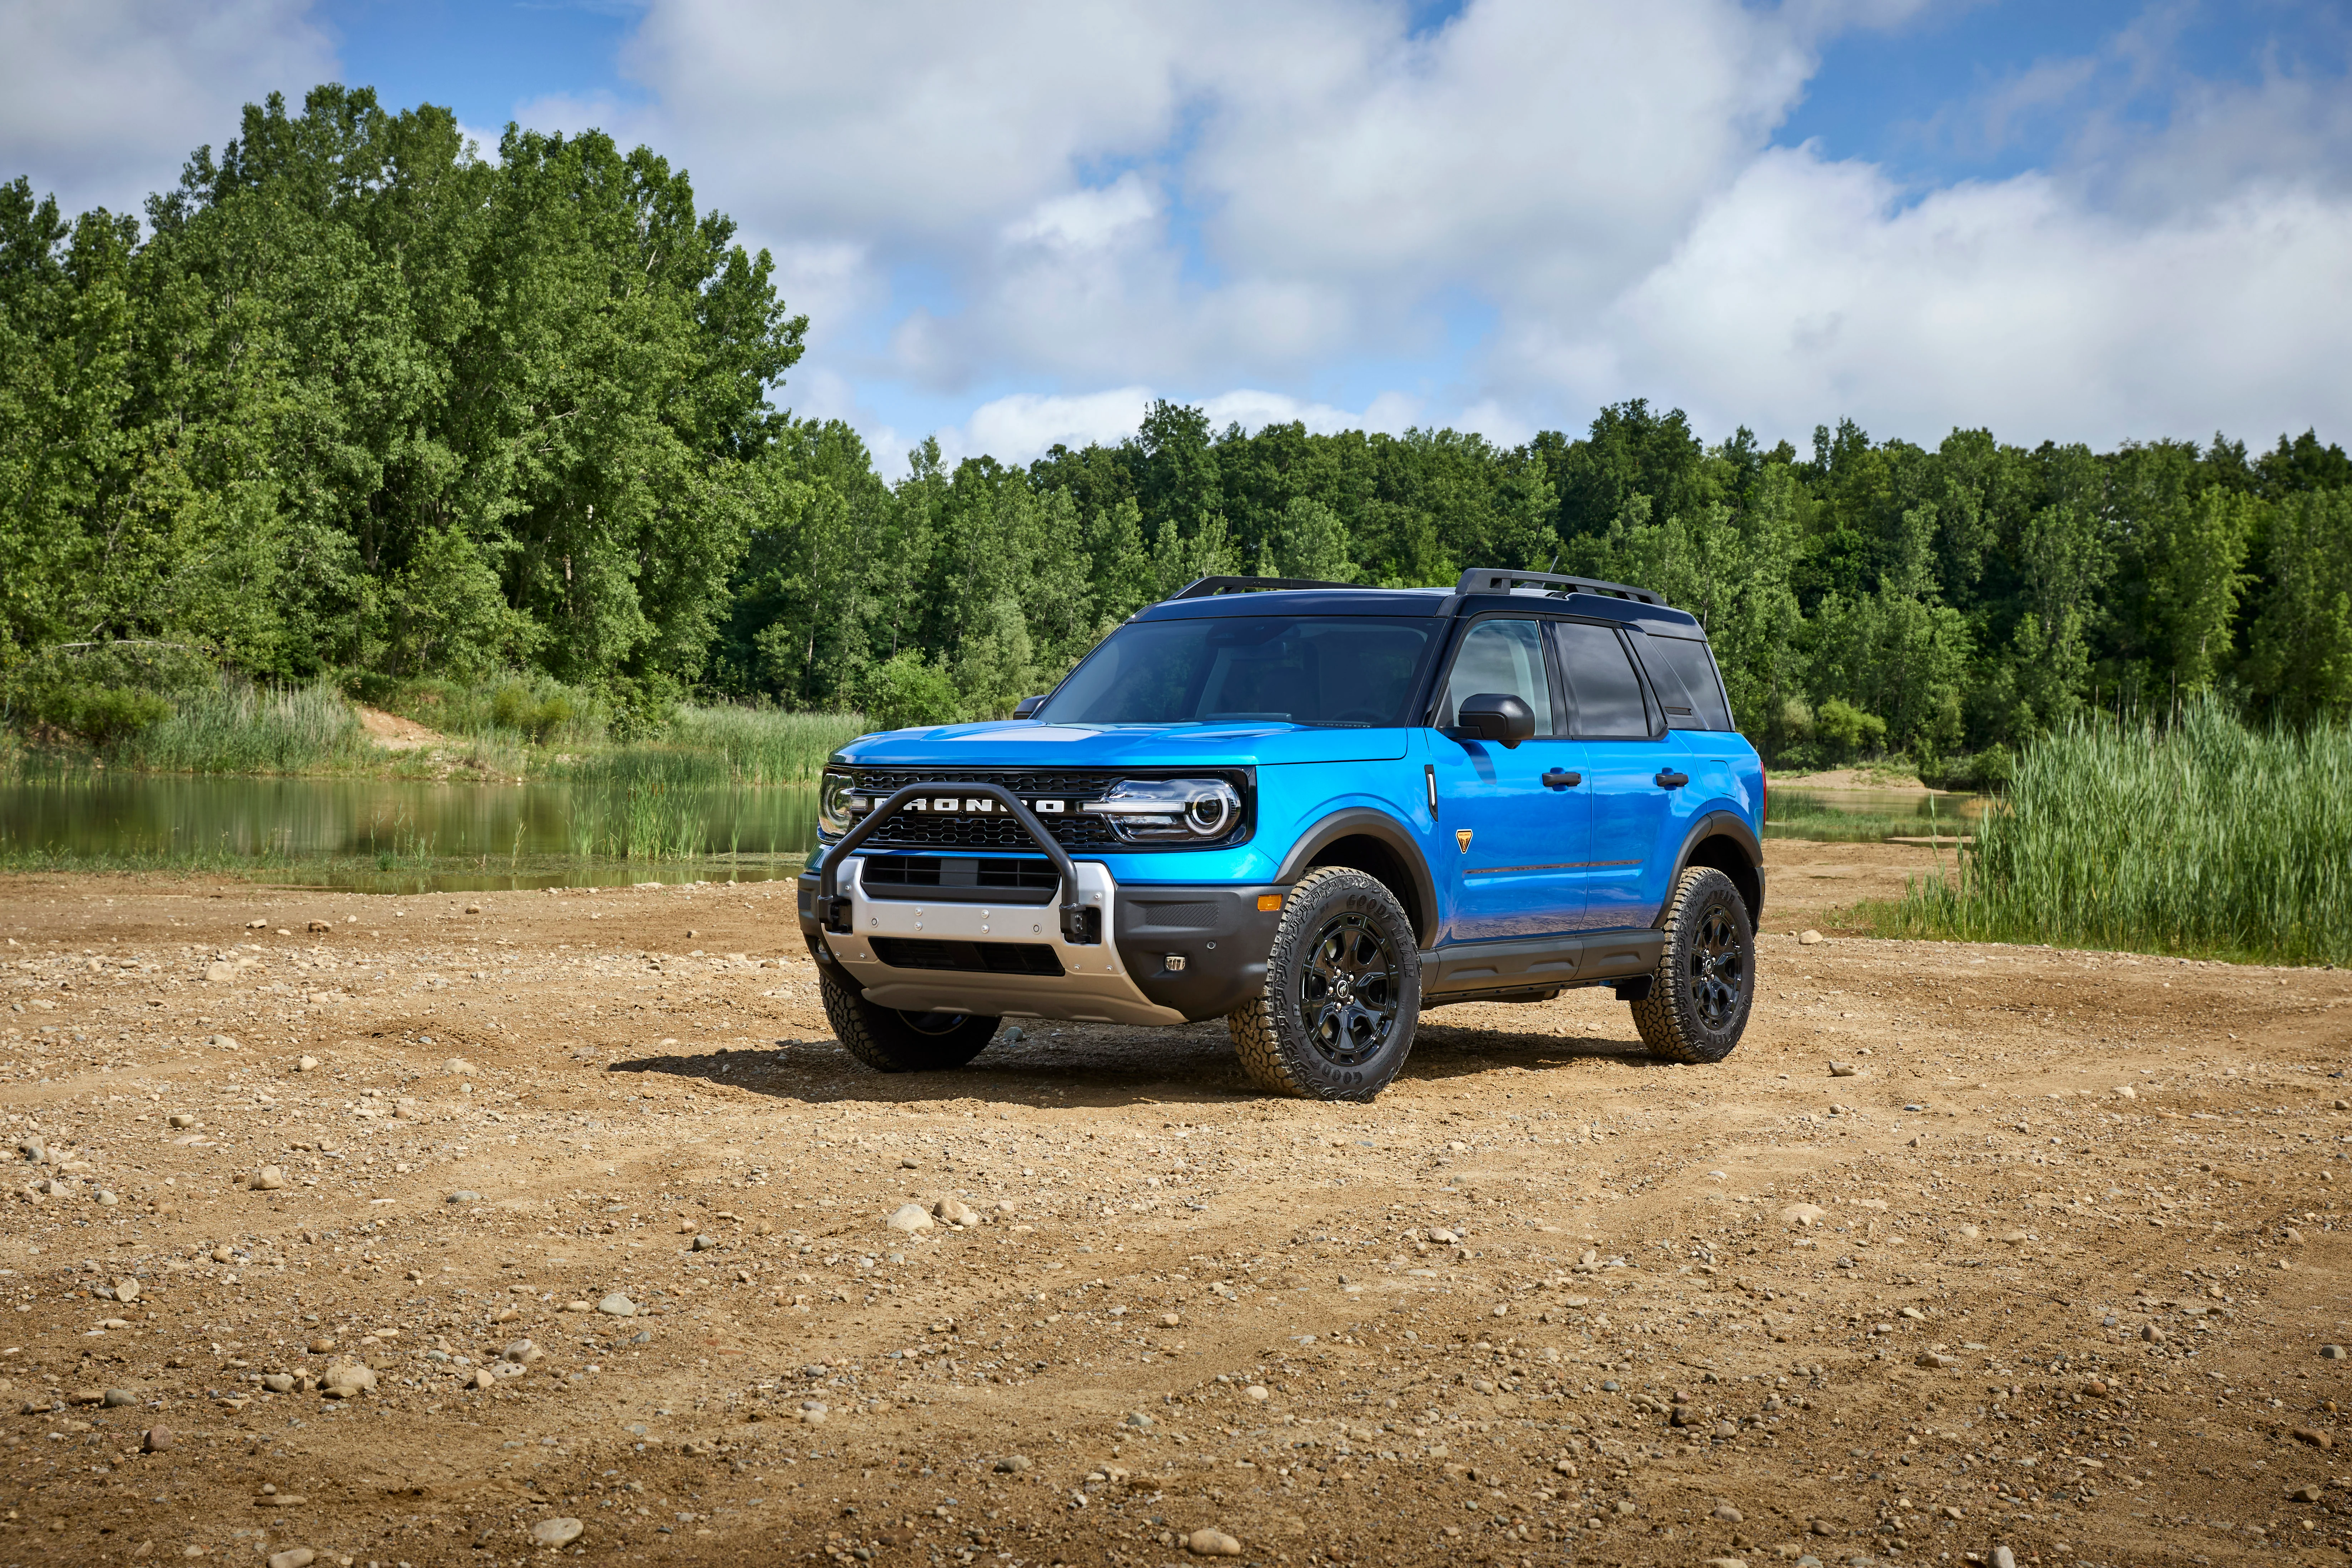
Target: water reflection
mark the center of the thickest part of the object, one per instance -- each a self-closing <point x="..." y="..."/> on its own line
<point x="388" y="836"/>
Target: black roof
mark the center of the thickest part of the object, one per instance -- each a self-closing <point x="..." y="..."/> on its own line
<point x="1215" y="597"/>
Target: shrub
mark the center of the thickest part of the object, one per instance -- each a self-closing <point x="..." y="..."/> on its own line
<point x="1846" y="732"/>
<point x="105" y="716"/>
<point x="905" y="692"/>
<point x="515" y="705"/>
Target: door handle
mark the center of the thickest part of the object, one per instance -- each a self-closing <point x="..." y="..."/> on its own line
<point x="1669" y="779"/>
<point x="1558" y="778"/>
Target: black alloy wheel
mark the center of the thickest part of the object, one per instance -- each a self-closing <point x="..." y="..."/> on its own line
<point x="1350" y="990"/>
<point x="1335" y="1019"/>
<point x="1717" y="970"/>
<point x="1699" y="995"/>
<point x="933" y="1025"/>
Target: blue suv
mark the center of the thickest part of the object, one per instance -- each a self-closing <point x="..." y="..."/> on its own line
<point x="1313" y="810"/>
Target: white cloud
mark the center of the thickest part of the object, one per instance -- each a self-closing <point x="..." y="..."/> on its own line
<point x="485" y="143"/>
<point x="102" y="101"/>
<point x="1021" y="426"/>
<point x="894" y="121"/>
<point x="1248" y="197"/>
<point x="1018" y="428"/>
<point x="1506" y="219"/>
<point x="1253" y="408"/>
<point x="1087" y="219"/>
<point x="1530" y="147"/>
<point x="1812" y="289"/>
<point x="1193" y="193"/>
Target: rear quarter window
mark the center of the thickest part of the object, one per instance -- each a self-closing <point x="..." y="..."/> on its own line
<point x="1683" y="671"/>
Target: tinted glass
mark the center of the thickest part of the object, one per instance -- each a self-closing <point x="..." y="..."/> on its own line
<point x="1684" y="672"/>
<point x="1302" y="669"/>
<point x="1602" y="688"/>
<point x="1500" y="656"/>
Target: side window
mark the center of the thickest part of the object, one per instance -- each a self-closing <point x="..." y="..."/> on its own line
<point x="1684" y="672"/>
<point x="1603" y="691"/>
<point x="1501" y="656"/>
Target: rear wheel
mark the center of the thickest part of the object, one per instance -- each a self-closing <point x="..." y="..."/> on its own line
<point x="1342" y="993"/>
<point x="1706" y="980"/>
<point x="891" y="1041"/>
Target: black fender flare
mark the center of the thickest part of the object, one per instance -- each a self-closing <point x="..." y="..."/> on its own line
<point x="1721" y="823"/>
<point x="1362" y="821"/>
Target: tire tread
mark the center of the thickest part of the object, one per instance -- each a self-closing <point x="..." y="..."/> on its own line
<point x="864" y="1032"/>
<point x="1662" y="1018"/>
<point x="1252" y="1025"/>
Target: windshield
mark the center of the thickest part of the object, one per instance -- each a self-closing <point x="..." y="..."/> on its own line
<point x="1300" y="669"/>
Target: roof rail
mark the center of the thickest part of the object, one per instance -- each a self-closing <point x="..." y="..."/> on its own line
<point x="1490" y="579"/>
<point x="1210" y="587"/>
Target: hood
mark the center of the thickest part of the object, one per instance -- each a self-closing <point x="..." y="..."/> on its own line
<point x="1026" y="743"/>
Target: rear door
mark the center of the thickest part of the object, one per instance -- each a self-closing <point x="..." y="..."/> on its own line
<point x="1516" y="824"/>
<point x="1621" y="751"/>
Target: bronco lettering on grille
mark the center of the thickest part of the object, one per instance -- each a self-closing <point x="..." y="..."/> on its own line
<point x="959" y="806"/>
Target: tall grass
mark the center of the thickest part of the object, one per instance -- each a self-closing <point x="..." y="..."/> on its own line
<point x="716" y="747"/>
<point x="234" y="727"/>
<point x="645" y="820"/>
<point x="759" y="745"/>
<point x="2208" y="837"/>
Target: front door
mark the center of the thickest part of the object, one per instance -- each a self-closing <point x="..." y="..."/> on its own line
<point x="1622" y="750"/>
<point x="1515" y="824"/>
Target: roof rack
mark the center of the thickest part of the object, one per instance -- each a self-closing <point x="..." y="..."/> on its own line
<point x="1210" y="587"/>
<point x="1490" y="580"/>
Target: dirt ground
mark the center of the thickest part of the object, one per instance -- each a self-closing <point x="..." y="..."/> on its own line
<point x="2055" y="1273"/>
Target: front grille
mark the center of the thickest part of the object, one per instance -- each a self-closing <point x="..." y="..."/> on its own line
<point x="910" y="831"/>
<point x="1071" y="828"/>
<point x="969" y="957"/>
<point x="958" y="871"/>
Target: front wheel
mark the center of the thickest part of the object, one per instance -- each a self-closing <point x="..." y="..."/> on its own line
<point x="1342" y="993"/>
<point x="1706" y="980"/>
<point x="888" y="1040"/>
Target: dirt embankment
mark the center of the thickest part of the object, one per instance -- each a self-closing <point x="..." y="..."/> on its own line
<point x="2051" y="1271"/>
<point x="395" y="734"/>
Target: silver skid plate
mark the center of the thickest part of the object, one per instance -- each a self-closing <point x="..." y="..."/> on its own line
<point x="1093" y="987"/>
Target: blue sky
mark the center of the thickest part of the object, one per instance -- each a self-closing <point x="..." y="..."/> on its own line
<point x="1015" y="224"/>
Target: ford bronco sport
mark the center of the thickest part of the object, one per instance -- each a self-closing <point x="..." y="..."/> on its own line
<point x="1313" y="810"/>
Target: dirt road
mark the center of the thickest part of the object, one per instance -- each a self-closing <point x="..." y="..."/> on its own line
<point x="2053" y="1271"/>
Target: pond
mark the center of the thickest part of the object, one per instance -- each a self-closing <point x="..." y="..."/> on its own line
<point x="1871" y="814"/>
<point x="394" y="836"/>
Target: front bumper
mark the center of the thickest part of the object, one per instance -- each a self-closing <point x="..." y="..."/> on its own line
<point x="1176" y="954"/>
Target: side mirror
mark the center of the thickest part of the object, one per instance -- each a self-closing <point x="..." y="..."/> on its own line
<point x="1496" y="716"/>
<point x="1026" y="706"/>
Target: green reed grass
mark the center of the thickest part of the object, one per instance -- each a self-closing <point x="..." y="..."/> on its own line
<point x="761" y="745"/>
<point x="190" y="859"/>
<point x="234" y="727"/>
<point x="642" y="820"/>
<point x="2208" y="837"/>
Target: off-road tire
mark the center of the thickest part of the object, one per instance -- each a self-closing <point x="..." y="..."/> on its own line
<point x="1698" y="1007"/>
<point x="891" y="1041"/>
<point x="1336" y="922"/>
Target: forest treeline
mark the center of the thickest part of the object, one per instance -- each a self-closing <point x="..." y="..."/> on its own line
<point x="354" y="404"/>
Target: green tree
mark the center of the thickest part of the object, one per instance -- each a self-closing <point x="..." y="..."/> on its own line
<point x="1308" y="541"/>
<point x="2301" y="656"/>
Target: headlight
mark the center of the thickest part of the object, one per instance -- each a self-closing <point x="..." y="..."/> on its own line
<point x="1159" y="811"/>
<point x="833" y="805"/>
